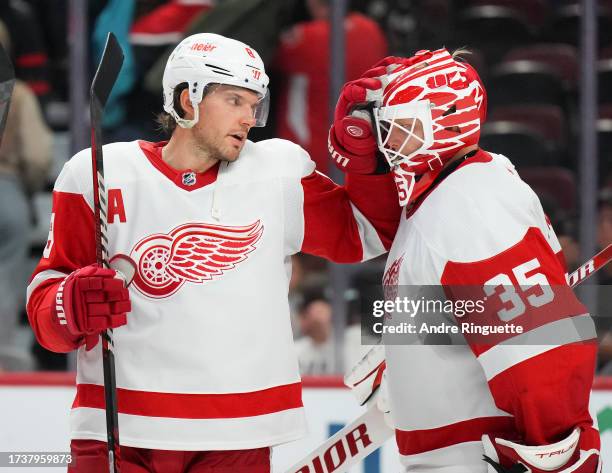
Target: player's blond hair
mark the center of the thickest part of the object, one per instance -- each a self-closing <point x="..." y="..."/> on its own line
<point x="461" y="52"/>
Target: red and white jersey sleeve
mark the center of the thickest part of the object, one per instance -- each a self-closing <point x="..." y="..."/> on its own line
<point x="70" y="245"/>
<point x="482" y="232"/>
<point x="328" y="220"/>
<point x="206" y="360"/>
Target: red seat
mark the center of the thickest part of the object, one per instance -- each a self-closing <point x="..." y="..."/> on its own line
<point x="604" y="81"/>
<point x="557" y="183"/>
<point x="605" y="111"/>
<point x="565" y="25"/>
<point x="606" y="53"/>
<point x="526" y="82"/>
<point x="563" y="58"/>
<point x="492" y="29"/>
<point x="534" y="11"/>
<point x="522" y="145"/>
<point x="547" y="120"/>
<point x="604" y="139"/>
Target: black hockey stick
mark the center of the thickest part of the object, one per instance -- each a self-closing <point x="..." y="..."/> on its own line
<point x="106" y="75"/>
<point x="7" y="81"/>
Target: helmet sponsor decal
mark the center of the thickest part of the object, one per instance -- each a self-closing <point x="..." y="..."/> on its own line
<point x="204" y="47"/>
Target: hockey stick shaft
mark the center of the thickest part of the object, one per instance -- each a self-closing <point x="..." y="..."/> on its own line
<point x="365" y="434"/>
<point x="591" y="266"/>
<point x="106" y="75"/>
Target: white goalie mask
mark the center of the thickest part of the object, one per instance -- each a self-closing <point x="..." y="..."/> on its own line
<point x="207" y="58"/>
<point x="391" y="117"/>
<point x="432" y="107"/>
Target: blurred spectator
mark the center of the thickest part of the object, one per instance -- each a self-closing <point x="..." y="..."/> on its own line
<point x="565" y="228"/>
<point x="315" y="349"/>
<point x="365" y="289"/>
<point x="569" y="245"/>
<point x="603" y="319"/>
<point x="117" y="17"/>
<point x="302" y="62"/>
<point x="604" y="233"/>
<point x="167" y="23"/>
<point x="254" y="22"/>
<point x="25" y="158"/>
<point x="411" y="25"/>
<point x="28" y="47"/>
<point x="52" y="16"/>
<point x="156" y="26"/>
<point x="295" y="295"/>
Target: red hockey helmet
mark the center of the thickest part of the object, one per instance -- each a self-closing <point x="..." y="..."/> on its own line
<point x="432" y="107"/>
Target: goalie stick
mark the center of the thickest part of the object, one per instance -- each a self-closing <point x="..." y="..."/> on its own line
<point x="591" y="266"/>
<point x="7" y="82"/>
<point x="369" y="431"/>
<point x="106" y="75"/>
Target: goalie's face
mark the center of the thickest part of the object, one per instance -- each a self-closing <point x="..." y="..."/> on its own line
<point x="404" y="131"/>
<point x="227" y="113"/>
<point x="404" y="136"/>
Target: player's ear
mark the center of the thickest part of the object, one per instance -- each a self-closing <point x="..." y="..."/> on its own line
<point x="186" y="104"/>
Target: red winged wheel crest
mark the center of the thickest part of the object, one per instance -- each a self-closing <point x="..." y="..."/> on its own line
<point x="391" y="279"/>
<point x="193" y="252"/>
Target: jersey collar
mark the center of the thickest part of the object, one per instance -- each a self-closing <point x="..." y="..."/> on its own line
<point x="477" y="156"/>
<point x="186" y="179"/>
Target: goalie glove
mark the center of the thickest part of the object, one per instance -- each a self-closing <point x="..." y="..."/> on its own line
<point x="367" y="381"/>
<point x="365" y="377"/>
<point x="577" y="453"/>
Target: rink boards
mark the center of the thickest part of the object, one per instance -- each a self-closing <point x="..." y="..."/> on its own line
<point x="34" y="407"/>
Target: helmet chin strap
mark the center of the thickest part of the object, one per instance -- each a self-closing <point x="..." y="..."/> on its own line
<point x="183" y="122"/>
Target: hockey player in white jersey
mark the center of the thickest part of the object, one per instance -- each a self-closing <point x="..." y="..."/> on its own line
<point x="207" y="377"/>
<point x="497" y="404"/>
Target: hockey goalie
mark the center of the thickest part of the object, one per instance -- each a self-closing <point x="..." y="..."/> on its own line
<point x="514" y="402"/>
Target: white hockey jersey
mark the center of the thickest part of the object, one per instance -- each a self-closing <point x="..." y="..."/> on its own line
<point x="483" y="226"/>
<point x="206" y="360"/>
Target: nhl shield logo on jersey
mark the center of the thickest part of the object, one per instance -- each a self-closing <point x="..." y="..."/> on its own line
<point x="189" y="178"/>
<point x="192" y="253"/>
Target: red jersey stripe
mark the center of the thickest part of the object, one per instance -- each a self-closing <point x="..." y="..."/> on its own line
<point x="413" y="442"/>
<point x="194" y="406"/>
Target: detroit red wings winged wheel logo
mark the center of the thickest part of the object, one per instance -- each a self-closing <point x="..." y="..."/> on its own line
<point x="391" y="279"/>
<point x="192" y="253"/>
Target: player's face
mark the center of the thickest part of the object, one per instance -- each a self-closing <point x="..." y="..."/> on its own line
<point x="407" y="137"/>
<point x="226" y="116"/>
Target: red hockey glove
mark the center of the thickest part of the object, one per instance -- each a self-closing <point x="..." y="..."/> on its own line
<point x="390" y="63"/>
<point x="578" y="453"/>
<point x="351" y="142"/>
<point x="91" y="300"/>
